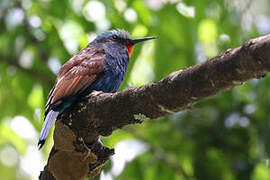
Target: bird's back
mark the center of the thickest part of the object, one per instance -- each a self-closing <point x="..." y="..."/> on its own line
<point x="76" y="75"/>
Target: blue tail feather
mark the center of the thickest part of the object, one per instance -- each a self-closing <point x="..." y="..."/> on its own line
<point x="49" y="120"/>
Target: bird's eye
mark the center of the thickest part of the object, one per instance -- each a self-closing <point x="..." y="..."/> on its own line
<point x="114" y="37"/>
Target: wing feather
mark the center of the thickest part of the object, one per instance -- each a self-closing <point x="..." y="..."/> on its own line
<point x="77" y="74"/>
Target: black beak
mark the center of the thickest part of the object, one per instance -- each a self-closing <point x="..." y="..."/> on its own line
<point x="135" y="41"/>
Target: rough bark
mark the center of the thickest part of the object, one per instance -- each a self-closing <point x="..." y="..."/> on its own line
<point x="77" y="153"/>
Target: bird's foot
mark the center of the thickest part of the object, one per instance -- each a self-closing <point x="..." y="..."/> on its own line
<point x="96" y="93"/>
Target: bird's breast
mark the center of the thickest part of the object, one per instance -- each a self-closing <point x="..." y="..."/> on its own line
<point x="112" y="77"/>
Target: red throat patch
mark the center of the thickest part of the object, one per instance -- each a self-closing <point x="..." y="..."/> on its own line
<point x="129" y="49"/>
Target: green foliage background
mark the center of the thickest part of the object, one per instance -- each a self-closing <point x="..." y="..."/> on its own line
<point x="226" y="137"/>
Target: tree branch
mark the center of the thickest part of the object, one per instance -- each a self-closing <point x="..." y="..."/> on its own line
<point x="102" y="113"/>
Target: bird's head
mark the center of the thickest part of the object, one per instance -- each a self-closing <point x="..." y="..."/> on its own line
<point x="121" y="38"/>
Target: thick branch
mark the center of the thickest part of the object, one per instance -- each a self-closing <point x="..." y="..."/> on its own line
<point x="102" y="113"/>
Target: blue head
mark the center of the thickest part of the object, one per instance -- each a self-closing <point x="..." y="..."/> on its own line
<point x="121" y="34"/>
<point x="118" y="40"/>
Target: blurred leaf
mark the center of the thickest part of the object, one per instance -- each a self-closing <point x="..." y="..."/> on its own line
<point x="8" y="136"/>
<point x="35" y="98"/>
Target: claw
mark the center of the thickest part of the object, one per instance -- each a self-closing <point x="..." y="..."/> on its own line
<point x="97" y="93"/>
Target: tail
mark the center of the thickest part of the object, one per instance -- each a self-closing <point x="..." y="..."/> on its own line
<point x="49" y="120"/>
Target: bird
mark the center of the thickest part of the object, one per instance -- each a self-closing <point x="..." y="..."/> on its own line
<point x="100" y="66"/>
